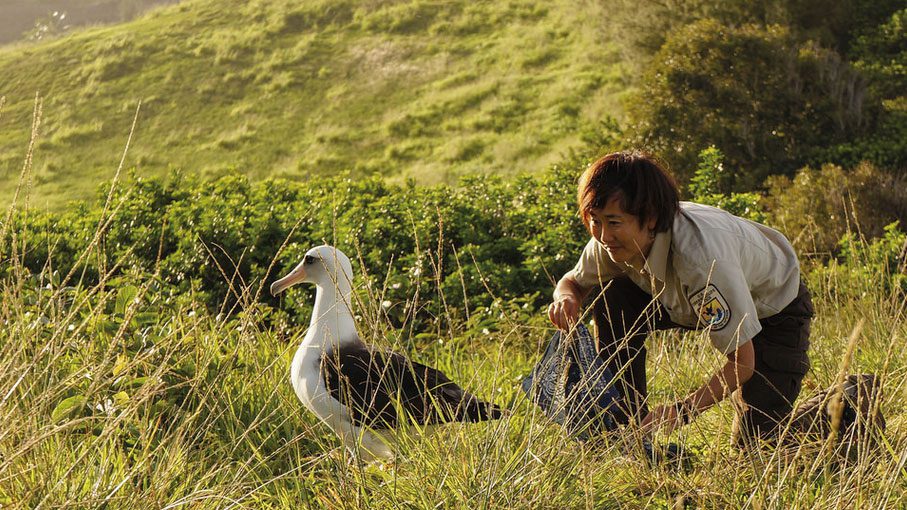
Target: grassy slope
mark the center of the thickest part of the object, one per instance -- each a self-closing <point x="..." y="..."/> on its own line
<point x="424" y="89"/>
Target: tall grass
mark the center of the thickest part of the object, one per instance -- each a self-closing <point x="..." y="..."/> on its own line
<point x="124" y="394"/>
<point x="118" y="395"/>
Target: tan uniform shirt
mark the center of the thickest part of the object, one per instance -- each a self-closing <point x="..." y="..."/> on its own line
<point x="712" y="270"/>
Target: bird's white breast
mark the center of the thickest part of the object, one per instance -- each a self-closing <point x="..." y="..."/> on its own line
<point x="305" y="375"/>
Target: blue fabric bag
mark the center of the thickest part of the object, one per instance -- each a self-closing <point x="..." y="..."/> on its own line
<point x="574" y="387"/>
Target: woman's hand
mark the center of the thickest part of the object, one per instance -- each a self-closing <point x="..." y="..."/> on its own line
<point x="662" y="418"/>
<point x="564" y="311"/>
<point x="668" y="418"/>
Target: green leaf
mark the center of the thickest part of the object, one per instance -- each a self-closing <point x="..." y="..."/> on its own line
<point x="146" y="318"/>
<point x="161" y="407"/>
<point x="124" y="383"/>
<point x="138" y="382"/>
<point x="121" y="364"/>
<point x="125" y="296"/>
<point x="187" y="368"/>
<point x="120" y="398"/>
<point x="109" y="327"/>
<point x="69" y="408"/>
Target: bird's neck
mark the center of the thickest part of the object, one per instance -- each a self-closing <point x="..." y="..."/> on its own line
<point x="332" y="319"/>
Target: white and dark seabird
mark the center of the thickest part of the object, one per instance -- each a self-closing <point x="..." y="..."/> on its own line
<point x="357" y="390"/>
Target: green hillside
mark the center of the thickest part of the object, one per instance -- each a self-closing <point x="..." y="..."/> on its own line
<point x="429" y="89"/>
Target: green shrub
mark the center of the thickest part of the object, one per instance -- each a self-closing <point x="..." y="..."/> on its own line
<point x="709" y="182"/>
<point x="867" y="266"/>
<point x="641" y="28"/>
<point x="427" y="249"/>
<point x="816" y="208"/>
<point x="765" y="100"/>
<point x="430" y="254"/>
<point x="599" y="138"/>
<point x="881" y="56"/>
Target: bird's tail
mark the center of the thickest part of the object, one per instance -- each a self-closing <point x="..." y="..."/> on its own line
<point x="472" y="409"/>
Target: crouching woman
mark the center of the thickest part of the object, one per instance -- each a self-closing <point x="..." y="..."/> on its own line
<point x="656" y="263"/>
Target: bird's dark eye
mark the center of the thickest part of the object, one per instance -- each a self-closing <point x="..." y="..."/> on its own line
<point x="308" y="260"/>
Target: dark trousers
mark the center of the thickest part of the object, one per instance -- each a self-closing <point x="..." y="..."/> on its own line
<point x="624" y="315"/>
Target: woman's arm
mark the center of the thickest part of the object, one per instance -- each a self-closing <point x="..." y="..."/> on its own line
<point x="738" y="369"/>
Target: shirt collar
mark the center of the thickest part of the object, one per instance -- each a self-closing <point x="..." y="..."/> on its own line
<point x="657" y="261"/>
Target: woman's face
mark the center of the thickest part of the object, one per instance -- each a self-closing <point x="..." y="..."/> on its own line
<point x="625" y="240"/>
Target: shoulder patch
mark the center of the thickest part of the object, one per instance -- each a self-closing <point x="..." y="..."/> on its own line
<point x="711" y="307"/>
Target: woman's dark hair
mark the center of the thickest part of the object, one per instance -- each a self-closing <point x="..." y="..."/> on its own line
<point x="645" y="189"/>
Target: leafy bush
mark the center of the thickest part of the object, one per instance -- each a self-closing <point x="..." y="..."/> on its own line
<point x="708" y="185"/>
<point x="881" y="55"/>
<point x="641" y="28"/>
<point x="427" y="255"/>
<point x="425" y="250"/>
<point x="765" y="100"/>
<point x="819" y="207"/>
<point x="868" y="266"/>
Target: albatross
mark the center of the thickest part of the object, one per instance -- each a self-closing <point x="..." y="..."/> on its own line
<point x="362" y="393"/>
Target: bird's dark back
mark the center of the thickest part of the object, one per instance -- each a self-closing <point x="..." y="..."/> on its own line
<point x="379" y="386"/>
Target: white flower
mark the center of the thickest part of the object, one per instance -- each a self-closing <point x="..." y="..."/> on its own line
<point x="107" y="407"/>
<point x="71" y="327"/>
<point x="386" y="304"/>
<point x="485" y="331"/>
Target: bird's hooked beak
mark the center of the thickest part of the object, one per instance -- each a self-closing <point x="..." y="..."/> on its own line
<point x="295" y="276"/>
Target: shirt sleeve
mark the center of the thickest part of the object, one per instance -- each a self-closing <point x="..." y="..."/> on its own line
<point x="723" y="304"/>
<point x="594" y="267"/>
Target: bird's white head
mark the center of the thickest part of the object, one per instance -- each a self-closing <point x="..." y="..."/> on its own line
<point x="325" y="266"/>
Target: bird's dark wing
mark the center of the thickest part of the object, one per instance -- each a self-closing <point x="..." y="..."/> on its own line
<point x="376" y="386"/>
